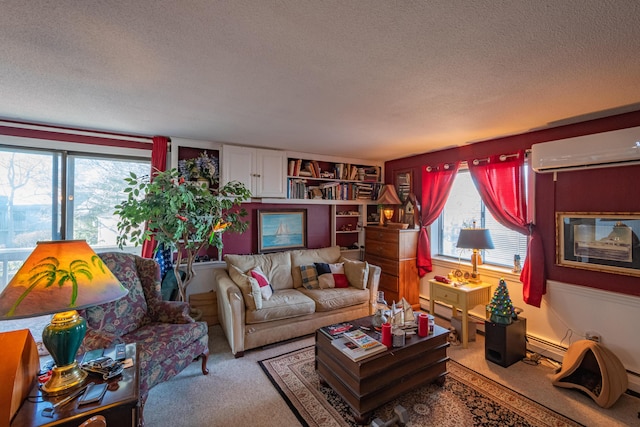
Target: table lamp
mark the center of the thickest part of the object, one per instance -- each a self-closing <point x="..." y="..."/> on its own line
<point x="60" y="277"/>
<point x="387" y="198"/>
<point x="475" y="238"/>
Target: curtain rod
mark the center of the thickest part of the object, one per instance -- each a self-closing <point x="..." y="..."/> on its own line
<point x="465" y="163"/>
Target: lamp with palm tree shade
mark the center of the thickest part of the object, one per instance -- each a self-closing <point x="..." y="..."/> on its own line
<point x="475" y="238"/>
<point x="60" y="277"/>
<point x="387" y="198"/>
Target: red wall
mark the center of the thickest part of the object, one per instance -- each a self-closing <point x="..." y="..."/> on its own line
<point x="318" y="228"/>
<point x="597" y="190"/>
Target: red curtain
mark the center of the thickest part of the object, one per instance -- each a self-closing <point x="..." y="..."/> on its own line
<point x="436" y="185"/>
<point x="501" y="186"/>
<point x="158" y="164"/>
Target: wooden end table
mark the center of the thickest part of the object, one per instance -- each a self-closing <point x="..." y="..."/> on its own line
<point x="119" y="405"/>
<point x="465" y="297"/>
<point x="371" y="382"/>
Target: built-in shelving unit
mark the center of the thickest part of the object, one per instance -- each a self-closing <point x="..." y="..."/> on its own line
<point x="332" y="179"/>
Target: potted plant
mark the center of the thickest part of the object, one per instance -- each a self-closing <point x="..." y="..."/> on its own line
<point x="183" y="214"/>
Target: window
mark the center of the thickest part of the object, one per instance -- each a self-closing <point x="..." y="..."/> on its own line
<point x="463" y="207"/>
<point x="53" y="194"/>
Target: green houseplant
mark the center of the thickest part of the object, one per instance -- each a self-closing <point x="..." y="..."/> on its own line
<point x="183" y="214"/>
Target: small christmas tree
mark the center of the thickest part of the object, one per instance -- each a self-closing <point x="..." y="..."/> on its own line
<point x="501" y="307"/>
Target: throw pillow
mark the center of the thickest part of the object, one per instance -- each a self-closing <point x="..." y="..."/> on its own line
<point x="357" y="273"/>
<point x="265" y="287"/>
<point x="248" y="286"/>
<point x="331" y="275"/>
<point x="309" y="276"/>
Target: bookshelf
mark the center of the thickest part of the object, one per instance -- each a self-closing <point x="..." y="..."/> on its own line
<point x="324" y="179"/>
<point x="346" y="229"/>
<point x="350" y="186"/>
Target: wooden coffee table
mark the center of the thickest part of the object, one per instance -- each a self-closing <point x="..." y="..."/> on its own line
<point x="371" y="382"/>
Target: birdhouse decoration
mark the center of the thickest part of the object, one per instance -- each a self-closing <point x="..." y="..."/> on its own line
<point x="501" y="307"/>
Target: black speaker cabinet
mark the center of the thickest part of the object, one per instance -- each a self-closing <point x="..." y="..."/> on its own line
<point x="505" y="344"/>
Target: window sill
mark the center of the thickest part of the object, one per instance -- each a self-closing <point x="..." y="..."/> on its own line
<point x="487" y="272"/>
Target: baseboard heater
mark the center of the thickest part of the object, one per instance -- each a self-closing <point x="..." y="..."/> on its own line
<point x="548" y="349"/>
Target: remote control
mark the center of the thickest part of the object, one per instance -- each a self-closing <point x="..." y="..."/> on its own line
<point x="121" y="352"/>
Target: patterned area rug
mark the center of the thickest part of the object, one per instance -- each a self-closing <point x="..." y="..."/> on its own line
<point x="466" y="399"/>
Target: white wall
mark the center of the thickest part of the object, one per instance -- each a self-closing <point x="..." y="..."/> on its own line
<point x="567" y="312"/>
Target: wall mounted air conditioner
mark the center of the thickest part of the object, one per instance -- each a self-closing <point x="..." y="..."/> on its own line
<point x="606" y="149"/>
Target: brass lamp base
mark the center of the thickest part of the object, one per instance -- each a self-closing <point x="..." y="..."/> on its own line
<point x="62" y="337"/>
<point x="476" y="260"/>
<point x="475" y="278"/>
<point x="64" y="378"/>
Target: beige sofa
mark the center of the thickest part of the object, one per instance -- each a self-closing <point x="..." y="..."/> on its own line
<point x="297" y="306"/>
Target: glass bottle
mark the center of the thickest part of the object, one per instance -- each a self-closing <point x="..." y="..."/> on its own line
<point x="381" y="311"/>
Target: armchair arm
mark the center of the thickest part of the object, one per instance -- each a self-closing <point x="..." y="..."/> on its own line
<point x="372" y="284"/>
<point x="231" y="310"/>
<point x="171" y="312"/>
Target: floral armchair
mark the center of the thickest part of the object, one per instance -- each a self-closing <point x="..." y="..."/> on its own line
<point x="168" y="338"/>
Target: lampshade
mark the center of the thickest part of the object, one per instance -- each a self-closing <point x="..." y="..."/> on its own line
<point x="388" y="196"/>
<point x="474" y="238"/>
<point x="59" y="278"/>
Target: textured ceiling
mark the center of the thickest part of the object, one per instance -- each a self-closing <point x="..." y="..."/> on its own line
<point x="369" y="78"/>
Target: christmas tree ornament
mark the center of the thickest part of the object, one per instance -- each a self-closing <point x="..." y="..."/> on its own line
<point x="501" y="307"/>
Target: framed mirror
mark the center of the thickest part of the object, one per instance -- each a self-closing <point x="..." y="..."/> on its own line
<point x="403" y="181"/>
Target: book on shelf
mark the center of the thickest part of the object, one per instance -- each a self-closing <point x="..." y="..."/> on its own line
<point x="362" y="340"/>
<point x="355" y="352"/>
<point x="336" y="330"/>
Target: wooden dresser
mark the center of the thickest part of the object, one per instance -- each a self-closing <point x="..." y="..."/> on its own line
<point x="395" y="252"/>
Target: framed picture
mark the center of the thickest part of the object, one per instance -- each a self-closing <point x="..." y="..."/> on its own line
<point x="281" y="229"/>
<point x="606" y="242"/>
<point x="403" y="181"/>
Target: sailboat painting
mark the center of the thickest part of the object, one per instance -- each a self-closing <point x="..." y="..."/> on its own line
<point x="281" y="230"/>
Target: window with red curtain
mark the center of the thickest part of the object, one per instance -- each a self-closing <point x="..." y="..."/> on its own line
<point x="436" y="184"/>
<point x="499" y="180"/>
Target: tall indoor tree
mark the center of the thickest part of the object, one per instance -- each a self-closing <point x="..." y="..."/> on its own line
<point x="182" y="214"/>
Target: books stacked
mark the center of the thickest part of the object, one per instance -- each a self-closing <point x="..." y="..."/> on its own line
<point x="357" y="345"/>
<point x="362" y="340"/>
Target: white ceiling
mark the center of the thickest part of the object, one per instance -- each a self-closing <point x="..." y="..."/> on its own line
<point x="360" y="78"/>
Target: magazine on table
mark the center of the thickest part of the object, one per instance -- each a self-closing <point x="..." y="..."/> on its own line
<point x="336" y="330"/>
<point x="362" y="340"/>
<point x="355" y="352"/>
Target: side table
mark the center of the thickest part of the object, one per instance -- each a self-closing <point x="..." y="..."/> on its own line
<point x="464" y="297"/>
<point x="119" y="406"/>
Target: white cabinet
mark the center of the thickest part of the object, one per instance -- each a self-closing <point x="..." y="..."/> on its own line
<point x="262" y="171"/>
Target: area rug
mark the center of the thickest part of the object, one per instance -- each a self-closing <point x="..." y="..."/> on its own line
<point x="467" y="398"/>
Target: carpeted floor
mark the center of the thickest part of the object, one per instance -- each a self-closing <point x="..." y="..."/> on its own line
<point x="237" y="392"/>
<point x="466" y="399"/>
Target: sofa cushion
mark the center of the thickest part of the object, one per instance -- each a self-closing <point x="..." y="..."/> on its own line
<point x="309" y="276"/>
<point x="331" y="275"/>
<point x="335" y="298"/>
<point x="357" y="272"/>
<point x="276" y="266"/>
<point x="265" y="287"/>
<point x="283" y="304"/>
<point x="309" y="256"/>
<point x="248" y="286"/>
